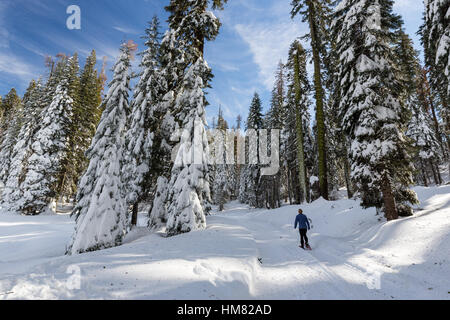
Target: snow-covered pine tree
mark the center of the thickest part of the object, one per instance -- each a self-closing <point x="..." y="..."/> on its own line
<point x="140" y="173"/>
<point x="337" y="147"/>
<point x="190" y="25"/>
<point x="237" y="155"/>
<point x="415" y="95"/>
<point x="317" y="14"/>
<point x="9" y="130"/>
<point x="87" y="113"/>
<point x="8" y="105"/>
<point x="424" y="139"/>
<point x="49" y="145"/>
<point x="370" y="99"/>
<point x="435" y="34"/>
<point x="189" y="190"/>
<point x="68" y="173"/>
<point x="436" y="40"/>
<point x="297" y="122"/>
<point x="222" y="186"/>
<point x="12" y="195"/>
<point x="275" y="120"/>
<point x="250" y="177"/>
<point x="100" y="211"/>
<point x="173" y="64"/>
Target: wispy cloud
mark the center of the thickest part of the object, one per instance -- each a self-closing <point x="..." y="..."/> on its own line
<point x="14" y="66"/>
<point x="4" y="34"/>
<point x="224" y="66"/>
<point x="126" y="30"/>
<point x="268" y="44"/>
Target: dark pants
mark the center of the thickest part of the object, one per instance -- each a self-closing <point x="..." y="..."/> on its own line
<point x="303" y="237"/>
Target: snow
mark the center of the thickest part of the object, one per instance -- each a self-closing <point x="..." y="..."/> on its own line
<point x="243" y="254"/>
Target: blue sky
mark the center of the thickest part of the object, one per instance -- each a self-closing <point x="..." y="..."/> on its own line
<point x="255" y="36"/>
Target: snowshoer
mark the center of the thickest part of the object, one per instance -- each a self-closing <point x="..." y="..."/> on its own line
<point x="303" y="224"/>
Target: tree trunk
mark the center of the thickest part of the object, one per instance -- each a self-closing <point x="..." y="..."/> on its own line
<point x="433" y="169"/>
<point x="134" y="216"/>
<point x="390" y="207"/>
<point x="289" y="185"/>
<point x="348" y="181"/>
<point x="301" y="158"/>
<point x="436" y="124"/>
<point x="320" y="117"/>
<point x="438" y="173"/>
<point x="424" y="173"/>
<point x="299" y="134"/>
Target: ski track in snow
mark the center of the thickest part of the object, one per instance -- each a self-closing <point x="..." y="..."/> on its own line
<point x="243" y="254"/>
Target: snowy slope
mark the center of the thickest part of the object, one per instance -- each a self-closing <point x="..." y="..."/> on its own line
<point x="243" y="254"/>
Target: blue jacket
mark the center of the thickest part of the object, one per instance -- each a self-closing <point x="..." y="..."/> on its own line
<point x="302" y="221"/>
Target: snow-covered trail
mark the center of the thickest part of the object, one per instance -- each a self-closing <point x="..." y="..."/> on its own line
<point x="288" y="272"/>
<point x="243" y="254"/>
<point x="405" y="259"/>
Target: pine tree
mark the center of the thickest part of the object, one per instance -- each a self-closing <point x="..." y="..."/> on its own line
<point x="68" y="174"/>
<point x="188" y="75"/>
<point x="173" y="64"/>
<point x="250" y="178"/>
<point x="298" y="120"/>
<point x="100" y="211"/>
<point x="189" y="185"/>
<point x="316" y="13"/>
<point x="416" y="96"/>
<point x="373" y="113"/>
<point x="12" y="195"/>
<point x="174" y="61"/>
<point x="49" y="145"/>
<point x="425" y="141"/>
<point x="9" y="130"/>
<point x="223" y="183"/>
<point x="276" y="118"/>
<point x="87" y="113"/>
<point x="436" y="41"/>
<point x="140" y="171"/>
<point x="194" y="23"/>
<point x="435" y="34"/>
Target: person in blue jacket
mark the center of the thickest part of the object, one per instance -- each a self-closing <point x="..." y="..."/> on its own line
<point x="303" y="224"/>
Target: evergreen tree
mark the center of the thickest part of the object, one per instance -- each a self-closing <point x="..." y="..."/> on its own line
<point x="68" y="173"/>
<point x="87" y="113"/>
<point x="424" y="140"/>
<point x="373" y="113"/>
<point x="298" y="121"/>
<point x="50" y="144"/>
<point x="223" y="183"/>
<point x="173" y="63"/>
<point x="140" y="171"/>
<point x="9" y="130"/>
<point x="250" y="178"/>
<point x="189" y="190"/>
<point x="416" y="96"/>
<point x="100" y="211"/>
<point x="187" y="74"/>
<point x="12" y="195"/>
<point x="435" y="34"/>
<point x="316" y="13"/>
<point x="194" y="23"/>
<point x="276" y="119"/>
<point x="436" y="41"/>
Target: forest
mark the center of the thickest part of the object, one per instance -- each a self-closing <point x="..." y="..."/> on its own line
<point x="381" y="124"/>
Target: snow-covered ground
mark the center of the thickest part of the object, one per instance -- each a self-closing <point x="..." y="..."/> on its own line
<point x="243" y="254"/>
